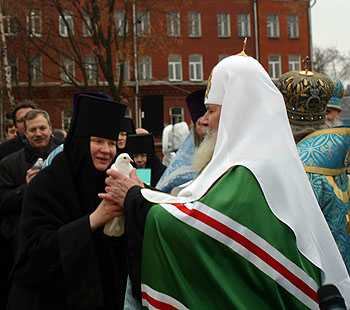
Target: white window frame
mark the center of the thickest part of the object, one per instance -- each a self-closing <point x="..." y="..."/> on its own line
<point x="67" y="68"/>
<point x="119" y="19"/>
<point x="224" y="25"/>
<point x="143" y="23"/>
<point x="194" y="24"/>
<point x="196" y="67"/>
<point x="294" y="62"/>
<point x="36" y="68"/>
<point x="126" y="68"/>
<point x="91" y="68"/>
<point x="63" y="28"/>
<point x="275" y="66"/>
<point x="175" y="68"/>
<point x="128" y="112"/>
<point x="173" y="23"/>
<point x="10" y="25"/>
<point x="176" y="117"/>
<point x="87" y="25"/>
<point x="34" y="23"/>
<point x="293" y="26"/>
<point x="273" y="26"/>
<point x="145" y="68"/>
<point x="244" y="25"/>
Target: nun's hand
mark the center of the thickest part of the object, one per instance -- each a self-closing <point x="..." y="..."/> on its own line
<point x="105" y="211"/>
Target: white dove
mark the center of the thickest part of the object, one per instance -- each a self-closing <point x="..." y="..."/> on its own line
<point x="115" y="227"/>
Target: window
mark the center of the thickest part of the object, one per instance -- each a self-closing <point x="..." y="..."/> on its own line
<point x="177" y="115"/>
<point x="91" y="70"/>
<point x="87" y="25"/>
<point x="34" y="23"/>
<point x="175" y="68"/>
<point x="66" y="24"/>
<point x="126" y="68"/>
<point x="224" y="25"/>
<point x="12" y="62"/>
<point x="67" y="69"/>
<point x="275" y="66"/>
<point x="143" y="23"/>
<point x="194" y="24"/>
<point x="66" y="118"/>
<point x="221" y="57"/>
<point x="119" y="19"/>
<point x="196" y="68"/>
<point x="144" y="66"/>
<point x="10" y="25"/>
<point x="173" y="22"/>
<point x="294" y="62"/>
<point x="272" y="26"/>
<point x="35" y="68"/>
<point x="128" y="112"/>
<point x="243" y="25"/>
<point x="293" y="28"/>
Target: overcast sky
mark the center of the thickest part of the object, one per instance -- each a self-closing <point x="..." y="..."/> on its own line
<point x="331" y="24"/>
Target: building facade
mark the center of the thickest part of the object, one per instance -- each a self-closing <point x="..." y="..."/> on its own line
<point x="189" y="39"/>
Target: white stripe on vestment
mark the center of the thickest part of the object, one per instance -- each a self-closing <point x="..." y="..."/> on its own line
<point x="244" y="252"/>
<point x="159" y="297"/>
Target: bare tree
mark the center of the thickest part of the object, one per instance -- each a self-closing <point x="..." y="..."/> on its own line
<point x="331" y="62"/>
<point x="83" y="39"/>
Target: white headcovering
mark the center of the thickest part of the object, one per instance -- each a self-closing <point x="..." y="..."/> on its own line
<point x="254" y="132"/>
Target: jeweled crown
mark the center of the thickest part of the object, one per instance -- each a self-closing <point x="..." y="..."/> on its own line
<point x="306" y="94"/>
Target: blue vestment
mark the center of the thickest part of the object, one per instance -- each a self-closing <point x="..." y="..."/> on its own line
<point x="323" y="154"/>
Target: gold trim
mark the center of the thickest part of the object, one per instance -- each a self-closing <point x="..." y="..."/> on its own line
<point x="324" y="171"/>
<point x="347" y="223"/>
<point x="343" y="196"/>
<point x="244" y="46"/>
<point x="339" y="131"/>
<point x="335" y="107"/>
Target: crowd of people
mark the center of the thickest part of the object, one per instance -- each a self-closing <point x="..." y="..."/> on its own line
<point x="249" y="211"/>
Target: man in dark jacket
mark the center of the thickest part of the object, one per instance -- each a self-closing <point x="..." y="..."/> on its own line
<point x="17" y="142"/>
<point x="16" y="172"/>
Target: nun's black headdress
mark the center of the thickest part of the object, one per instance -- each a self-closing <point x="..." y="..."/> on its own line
<point x="92" y="116"/>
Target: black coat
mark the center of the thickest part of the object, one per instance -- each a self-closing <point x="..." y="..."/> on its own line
<point x="10" y="146"/>
<point x="61" y="263"/>
<point x="13" y="169"/>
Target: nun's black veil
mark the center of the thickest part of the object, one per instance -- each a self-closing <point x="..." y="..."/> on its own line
<point x="91" y="117"/>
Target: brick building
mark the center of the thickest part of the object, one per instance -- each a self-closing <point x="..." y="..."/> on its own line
<point x="205" y="31"/>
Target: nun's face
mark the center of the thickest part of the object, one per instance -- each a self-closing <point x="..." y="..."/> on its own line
<point x="102" y="152"/>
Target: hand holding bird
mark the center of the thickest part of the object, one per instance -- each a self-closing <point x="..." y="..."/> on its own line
<point x="115" y="227"/>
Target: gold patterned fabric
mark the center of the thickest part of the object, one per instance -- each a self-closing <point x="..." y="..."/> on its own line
<point x="306" y="95"/>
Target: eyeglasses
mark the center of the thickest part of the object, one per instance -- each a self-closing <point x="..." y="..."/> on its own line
<point x="21" y="120"/>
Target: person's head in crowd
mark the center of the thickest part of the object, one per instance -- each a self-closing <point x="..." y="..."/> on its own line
<point x="92" y="138"/>
<point x="140" y="147"/>
<point x="305" y="95"/>
<point x="10" y="130"/>
<point x="18" y="115"/>
<point x="59" y="133"/>
<point x="127" y="128"/>
<point x="38" y="129"/>
<point x="334" y="105"/>
<point x="196" y="107"/>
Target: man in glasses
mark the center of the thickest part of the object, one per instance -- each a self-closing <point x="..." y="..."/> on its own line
<point x="18" y="142"/>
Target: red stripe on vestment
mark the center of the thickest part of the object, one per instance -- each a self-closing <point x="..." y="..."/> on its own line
<point x="249" y="245"/>
<point x="156" y="303"/>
